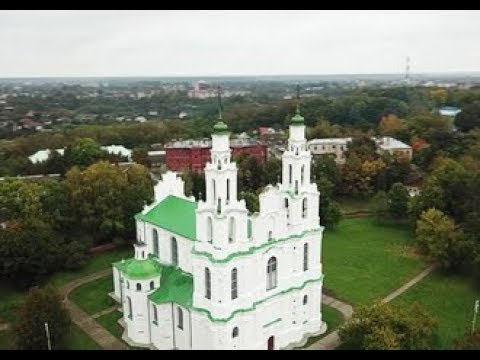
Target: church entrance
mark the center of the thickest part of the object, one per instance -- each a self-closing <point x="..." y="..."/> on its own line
<point x="271" y="343"/>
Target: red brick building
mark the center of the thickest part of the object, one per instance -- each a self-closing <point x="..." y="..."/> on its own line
<point x="194" y="154"/>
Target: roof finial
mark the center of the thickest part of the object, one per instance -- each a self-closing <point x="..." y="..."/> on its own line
<point x="298" y="99"/>
<point x="219" y="95"/>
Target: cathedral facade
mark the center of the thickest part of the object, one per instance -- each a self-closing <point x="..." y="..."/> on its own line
<point x="209" y="275"/>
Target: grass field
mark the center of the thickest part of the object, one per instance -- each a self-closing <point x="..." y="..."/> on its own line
<point x="450" y="299"/>
<point x="110" y="322"/>
<point x="93" y="296"/>
<point x="363" y="261"/>
<point x="11" y="298"/>
<point x="76" y="340"/>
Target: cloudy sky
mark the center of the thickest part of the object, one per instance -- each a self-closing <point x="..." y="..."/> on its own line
<point x="173" y="43"/>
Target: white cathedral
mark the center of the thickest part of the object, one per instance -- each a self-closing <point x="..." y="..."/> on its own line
<point x="207" y="275"/>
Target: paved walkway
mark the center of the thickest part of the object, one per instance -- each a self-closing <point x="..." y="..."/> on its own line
<point x="332" y="340"/>
<point x="409" y="284"/>
<point x="86" y="322"/>
<point x="106" y="311"/>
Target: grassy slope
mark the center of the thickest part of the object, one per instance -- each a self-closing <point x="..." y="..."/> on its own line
<point x="450" y="299"/>
<point x="93" y="296"/>
<point x="363" y="261"/>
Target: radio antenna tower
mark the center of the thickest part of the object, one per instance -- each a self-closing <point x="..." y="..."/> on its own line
<point x="407" y="69"/>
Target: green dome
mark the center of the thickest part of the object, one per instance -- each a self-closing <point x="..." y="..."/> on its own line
<point x="220" y="127"/>
<point x="140" y="269"/>
<point x="297" y="119"/>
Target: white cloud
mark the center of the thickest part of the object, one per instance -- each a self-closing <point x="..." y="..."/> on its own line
<point x="152" y="43"/>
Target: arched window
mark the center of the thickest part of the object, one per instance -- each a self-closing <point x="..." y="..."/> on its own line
<point x="270" y="234"/>
<point x="304" y="208"/>
<point x="155" y="242"/>
<point x="290" y="173"/>
<point x="231" y="230"/>
<point x="296" y="187"/>
<point x="286" y="208"/>
<point x="209" y="230"/>
<point x="214" y="191"/>
<point x="219" y="206"/>
<point x="302" y="174"/>
<point x="129" y="303"/>
<point x="208" y="284"/>
<point x="174" y="246"/>
<point x="139" y="287"/>
<point x="228" y="191"/>
<point x="305" y="299"/>
<point x="155" y="314"/>
<point x="152" y="285"/>
<point x="219" y="165"/>
<point x="235" y="332"/>
<point x="143" y="254"/>
<point x="305" y="257"/>
<point x="180" y="318"/>
<point x="234" y="284"/>
<point x="128" y="284"/>
<point x="272" y="273"/>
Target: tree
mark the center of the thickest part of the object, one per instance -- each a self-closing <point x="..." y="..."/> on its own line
<point x="273" y="170"/>
<point x="391" y="125"/>
<point x="468" y="342"/>
<point x="251" y="201"/>
<point x="379" y="206"/>
<point x="83" y="153"/>
<point x="140" y="156"/>
<point x="42" y="305"/>
<point x="105" y="198"/>
<point x="441" y="240"/>
<point x="398" y="198"/>
<point x="384" y="326"/>
<point x="469" y="118"/>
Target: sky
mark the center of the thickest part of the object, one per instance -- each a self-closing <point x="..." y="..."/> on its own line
<point x="236" y="42"/>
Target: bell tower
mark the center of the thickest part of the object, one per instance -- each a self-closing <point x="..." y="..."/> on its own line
<point x="221" y="218"/>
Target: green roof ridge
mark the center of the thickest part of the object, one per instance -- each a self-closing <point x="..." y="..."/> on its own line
<point x="256" y="303"/>
<point x="220" y="128"/>
<point x="252" y="249"/>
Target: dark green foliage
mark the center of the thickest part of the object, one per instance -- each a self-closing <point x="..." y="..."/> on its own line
<point x="42" y="305"/>
<point x="469" y="342"/>
<point x="469" y="118"/>
<point x="383" y="326"/>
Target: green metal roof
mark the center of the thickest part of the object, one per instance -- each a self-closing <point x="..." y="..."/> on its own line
<point x="139" y="269"/>
<point x="175" y="286"/>
<point x="297" y="119"/>
<point x="173" y="214"/>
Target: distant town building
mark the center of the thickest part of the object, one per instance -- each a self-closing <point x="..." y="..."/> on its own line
<point x="394" y="147"/>
<point x="336" y="147"/>
<point x="194" y="154"/>
<point x="141" y="119"/>
<point x="449" y="111"/>
<point x="118" y="150"/>
<point x="156" y="157"/>
<point x="333" y="146"/>
<point x="42" y="155"/>
<point x="202" y="90"/>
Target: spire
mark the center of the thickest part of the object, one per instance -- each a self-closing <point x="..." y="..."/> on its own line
<point x="219" y="99"/>
<point x="297" y="119"/>
<point x="220" y="127"/>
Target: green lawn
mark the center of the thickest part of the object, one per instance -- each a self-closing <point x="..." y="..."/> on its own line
<point x="76" y="340"/>
<point x="93" y="296"/>
<point x="94" y="264"/>
<point x="450" y="299"/>
<point x="11" y="298"/>
<point x="110" y="322"/>
<point x="363" y="261"/>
